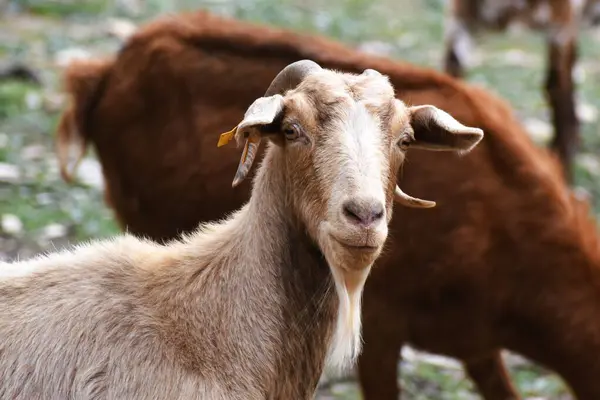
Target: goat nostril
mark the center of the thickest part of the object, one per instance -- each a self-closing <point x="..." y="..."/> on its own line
<point x="351" y="212"/>
<point x="376" y="212"/>
<point x="363" y="213"/>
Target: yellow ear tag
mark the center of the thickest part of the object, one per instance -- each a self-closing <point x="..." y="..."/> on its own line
<point x="226" y="137"/>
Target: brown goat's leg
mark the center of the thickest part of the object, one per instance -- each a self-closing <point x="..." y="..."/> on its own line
<point x="452" y="64"/>
<point x="457" y="38"/>
<point x="378" y="363"/>
<point x="491" y="378"/>
<point x="561" y="97"/>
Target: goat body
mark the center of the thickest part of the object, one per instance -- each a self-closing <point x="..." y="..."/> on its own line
<point x="561" y="21"/>
<point x="508" y="258"/>
<point x="129" y="319"/>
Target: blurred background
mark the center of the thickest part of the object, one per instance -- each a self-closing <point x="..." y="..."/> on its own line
<point x="38" y="211"/>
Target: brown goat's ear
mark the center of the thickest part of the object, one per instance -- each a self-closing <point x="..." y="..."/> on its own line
<point x="435" y="129"/>
<point x="262" y="112"/>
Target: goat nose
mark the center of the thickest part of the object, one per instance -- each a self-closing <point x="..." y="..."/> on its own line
<point x="364" y="212"/>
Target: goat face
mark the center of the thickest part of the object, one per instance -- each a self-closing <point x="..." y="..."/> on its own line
<point x="341" y="139"/>
<point x="348" y="144"/>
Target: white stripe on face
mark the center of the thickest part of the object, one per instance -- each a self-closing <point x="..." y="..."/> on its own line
<point x="361" y="165"/>
<point x="361" y="141"/>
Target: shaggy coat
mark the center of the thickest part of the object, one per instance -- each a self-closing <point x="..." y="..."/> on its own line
<point x="507" y="259"/>
<point x="127" y="319"/>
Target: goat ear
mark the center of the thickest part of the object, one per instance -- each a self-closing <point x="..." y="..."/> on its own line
<point x="262" y="112"/>
<point x="435" y="129"/>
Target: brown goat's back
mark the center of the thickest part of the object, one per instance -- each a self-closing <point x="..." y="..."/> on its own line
<point x="155" y="113"/>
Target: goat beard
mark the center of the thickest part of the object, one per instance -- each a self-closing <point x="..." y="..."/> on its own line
<point x="346" y="342"/>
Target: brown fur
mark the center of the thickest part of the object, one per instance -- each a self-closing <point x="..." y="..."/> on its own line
<point x="508" y="258"/>
<point x="561" y="24"/>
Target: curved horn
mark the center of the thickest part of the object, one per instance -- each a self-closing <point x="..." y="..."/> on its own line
<point x="291" y="76"/>
<point x="250" y="151"/>
<point x="288" y="78"/>
<point x="410" y="201"/>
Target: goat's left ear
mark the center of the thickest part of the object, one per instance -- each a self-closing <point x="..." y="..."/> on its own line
<point x="262" y="112"/>
<point x="435" y="129"/>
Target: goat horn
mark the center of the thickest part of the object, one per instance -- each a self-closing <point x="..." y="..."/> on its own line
<point x="250" y="151"/>
<point x="410" y="201"/>
<point x="291" y="76"/>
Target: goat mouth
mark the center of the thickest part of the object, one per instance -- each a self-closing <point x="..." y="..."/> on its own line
<point x="356" y="247"/>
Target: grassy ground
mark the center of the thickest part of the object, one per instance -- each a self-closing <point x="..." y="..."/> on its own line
<point x="38" y="211"/>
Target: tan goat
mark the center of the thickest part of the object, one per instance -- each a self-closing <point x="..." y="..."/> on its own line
<point x="248" y="308"/>
<point x="560" y="20"/>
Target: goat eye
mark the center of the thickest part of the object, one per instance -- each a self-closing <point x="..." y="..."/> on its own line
<point x="404" y="142"/>
<point x="291" y="132"/>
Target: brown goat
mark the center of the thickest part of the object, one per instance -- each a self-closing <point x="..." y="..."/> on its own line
<point x="560" y="20"/>
<point x="508" y="259"/>
<point x="225" y="313"/>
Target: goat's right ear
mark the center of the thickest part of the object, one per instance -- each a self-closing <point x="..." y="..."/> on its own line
<point x="264" y="111"/>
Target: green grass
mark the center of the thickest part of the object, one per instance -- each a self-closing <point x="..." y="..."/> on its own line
<point x="62" y="8"/>
<point x="13" y="96"/>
